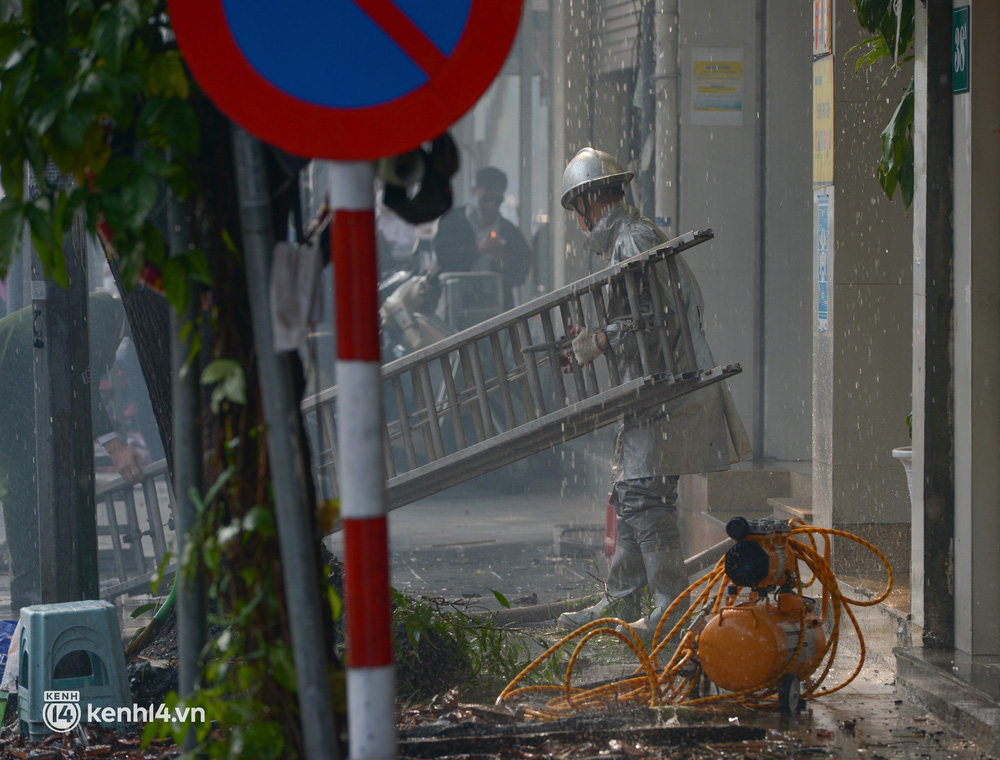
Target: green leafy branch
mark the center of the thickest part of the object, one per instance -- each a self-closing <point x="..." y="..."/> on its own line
<point x="892" y="25"/>
<point x="96" y="104"/>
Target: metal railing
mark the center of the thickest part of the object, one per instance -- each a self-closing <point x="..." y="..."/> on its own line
<point x="497" y="392"/>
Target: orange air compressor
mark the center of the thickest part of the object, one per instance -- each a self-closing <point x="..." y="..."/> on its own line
<point x="765" y="632"/>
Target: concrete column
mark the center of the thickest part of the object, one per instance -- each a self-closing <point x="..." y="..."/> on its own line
<point x="976" y="343"/>
<point x="932" y="579"/>
<point x="861" y="356"/>
<point x="786" y="228"/>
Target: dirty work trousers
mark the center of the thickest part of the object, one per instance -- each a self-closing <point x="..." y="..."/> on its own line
<point x="648" y="551"/>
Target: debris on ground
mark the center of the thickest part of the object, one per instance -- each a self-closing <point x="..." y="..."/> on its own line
<point x="88" y="742"/>
<point x="152" y="674"/>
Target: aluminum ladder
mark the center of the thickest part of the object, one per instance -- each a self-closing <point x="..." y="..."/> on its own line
<point x="495" y="393"/>
<point x="136" y="528"/>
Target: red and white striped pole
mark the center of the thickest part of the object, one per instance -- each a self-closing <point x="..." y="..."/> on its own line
<point x="371" y="681"/>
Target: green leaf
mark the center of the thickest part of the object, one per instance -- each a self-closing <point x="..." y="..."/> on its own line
<point x="179" y="126"/>
<point x="111" y="35"/>
<point x="501" y="598"/>
<point x="116" y="172"/>
<point x="44" y="115"/>
<point x="199" y="266"/>
<point x="284" y="668"/>
<point x="259" y="519"/>
<point x="896" y="163"/>
<point x="143" y="608"/>
<point x="165" y="75"/>
<point x="73" y="126"/>
<point x="12" y="52"/>
<point x="219" y="483"/>
<point x="175" y="283"/>
<point x="871" y="12"/>
<point x="140" y="197"/>
<point x="169" y="122"/>
<point x="47" y="237"/>
<point x="160" y="572"/>
<point x="23" y="63"/>
<point x="876" y="49"/>
<point x="336" y="603"/>
<point x="49" y="21"/>
<point x="229" y="380"/>
<point x="262" y="740"/>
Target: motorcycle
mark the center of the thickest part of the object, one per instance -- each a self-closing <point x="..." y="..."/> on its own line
<point x="408" y="300"/>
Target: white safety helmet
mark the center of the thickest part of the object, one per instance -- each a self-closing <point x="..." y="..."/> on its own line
<point x="591" y="169"/>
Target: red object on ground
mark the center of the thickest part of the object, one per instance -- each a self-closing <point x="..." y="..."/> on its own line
<point x="610" y="529"/>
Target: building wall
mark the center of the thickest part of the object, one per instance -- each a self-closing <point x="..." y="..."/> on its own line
<point x="749" y="182"/>
<point x="720" y="187"/>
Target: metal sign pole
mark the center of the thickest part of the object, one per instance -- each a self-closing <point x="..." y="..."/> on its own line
<point x="192" y="602"/>
<point x="371" y="677"/>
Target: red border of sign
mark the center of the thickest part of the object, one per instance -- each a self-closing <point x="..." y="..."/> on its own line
<point x="358" y="134"/>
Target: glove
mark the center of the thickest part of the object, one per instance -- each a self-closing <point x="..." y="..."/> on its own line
<point x="585" y="347"/>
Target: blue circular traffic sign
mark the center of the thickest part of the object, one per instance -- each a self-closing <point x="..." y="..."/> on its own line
<point x="345" y="79"/>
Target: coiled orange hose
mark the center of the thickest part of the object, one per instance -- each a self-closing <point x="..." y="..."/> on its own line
<point x="681" y="676"/>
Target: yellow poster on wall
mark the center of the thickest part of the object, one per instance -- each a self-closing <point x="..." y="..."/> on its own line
<point x="717" y="86"/>
<point x="823" y="121"/>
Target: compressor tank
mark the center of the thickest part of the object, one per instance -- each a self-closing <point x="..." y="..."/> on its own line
<point x="745" y="646"/>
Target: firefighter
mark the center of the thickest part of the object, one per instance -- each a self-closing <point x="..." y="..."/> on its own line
<point x="699" y="432"/>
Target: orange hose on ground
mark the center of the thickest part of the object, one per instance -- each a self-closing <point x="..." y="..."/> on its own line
<point x="674" y="683"/>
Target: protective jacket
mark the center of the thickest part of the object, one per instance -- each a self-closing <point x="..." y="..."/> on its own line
<point x="699" y="432"/>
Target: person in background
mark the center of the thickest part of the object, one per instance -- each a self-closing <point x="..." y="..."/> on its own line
<point x="476" y="238"/>
<point x="698" y="432"/>
<point x="18" y="484"/>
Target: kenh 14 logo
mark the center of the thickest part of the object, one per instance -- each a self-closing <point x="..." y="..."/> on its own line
<point x="61" y="711"/>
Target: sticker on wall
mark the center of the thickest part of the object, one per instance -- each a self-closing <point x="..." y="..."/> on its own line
<point x="822" y="262"/>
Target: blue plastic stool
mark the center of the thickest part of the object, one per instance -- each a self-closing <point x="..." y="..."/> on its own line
<point x="70" y="646"/>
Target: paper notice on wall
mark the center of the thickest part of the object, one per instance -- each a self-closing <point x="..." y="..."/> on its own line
<point x="717" y="86"/>
<point x="822" y="27"/>
<point x="823" y="121"/>
<point x="822" y="262"/>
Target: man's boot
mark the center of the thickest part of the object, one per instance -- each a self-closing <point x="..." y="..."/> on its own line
<point x="667" y="580"/>
<point x="620" y="599"/>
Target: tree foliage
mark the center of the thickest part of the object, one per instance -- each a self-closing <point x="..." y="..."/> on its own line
<point x="892" y="25"/>
<point x="97" y="91"/>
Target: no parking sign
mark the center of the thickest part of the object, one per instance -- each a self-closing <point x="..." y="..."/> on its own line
<point x="348" y="80"/>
